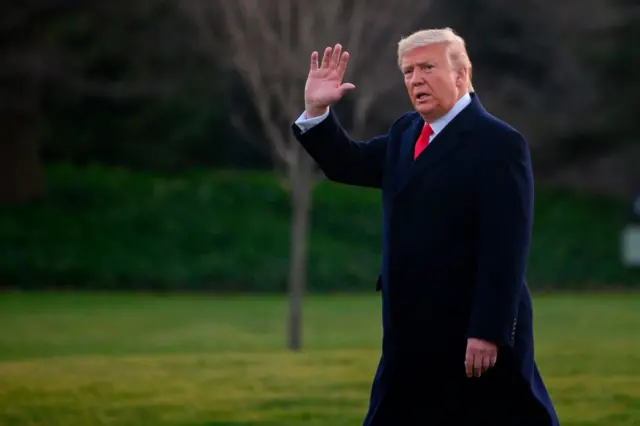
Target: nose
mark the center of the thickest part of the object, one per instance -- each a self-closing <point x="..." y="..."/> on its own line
<point x="416" y="77"/>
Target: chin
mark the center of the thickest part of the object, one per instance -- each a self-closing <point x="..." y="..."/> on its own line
<point x="425" y="109"/>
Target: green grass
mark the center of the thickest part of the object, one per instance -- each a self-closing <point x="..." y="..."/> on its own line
<point x="88" y="360"/>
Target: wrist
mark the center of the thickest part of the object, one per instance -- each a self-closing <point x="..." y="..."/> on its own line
<point x="313" y="112"/>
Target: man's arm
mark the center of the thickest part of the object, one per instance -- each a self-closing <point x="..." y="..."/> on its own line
<point x="342" y="159"/>
<point x="506" y="217"/>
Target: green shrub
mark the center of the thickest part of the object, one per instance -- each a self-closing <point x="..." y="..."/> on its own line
<point x="229" y="231"/>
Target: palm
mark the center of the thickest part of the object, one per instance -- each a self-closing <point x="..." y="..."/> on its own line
<point x="324" y="84"/>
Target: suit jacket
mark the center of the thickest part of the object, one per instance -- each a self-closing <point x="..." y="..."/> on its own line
<point x="456" y="233"/>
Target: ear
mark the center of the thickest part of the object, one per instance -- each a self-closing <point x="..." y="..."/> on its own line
<point x="461" y="76"/>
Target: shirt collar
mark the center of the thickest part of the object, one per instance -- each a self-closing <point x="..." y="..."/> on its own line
<point x="438" y="125"/>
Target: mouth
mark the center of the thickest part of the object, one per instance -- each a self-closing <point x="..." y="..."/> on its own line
<point x="422" y="96"/>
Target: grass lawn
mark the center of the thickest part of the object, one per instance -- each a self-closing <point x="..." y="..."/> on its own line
<point x="86" y="360"/>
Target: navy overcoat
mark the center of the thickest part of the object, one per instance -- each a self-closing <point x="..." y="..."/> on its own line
<point x="456" y="234"/>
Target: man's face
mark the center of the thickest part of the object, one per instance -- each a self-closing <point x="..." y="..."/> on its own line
<point x="433" y="84"/>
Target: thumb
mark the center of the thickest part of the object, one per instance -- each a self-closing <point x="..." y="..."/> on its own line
<point x="345" y="87"/>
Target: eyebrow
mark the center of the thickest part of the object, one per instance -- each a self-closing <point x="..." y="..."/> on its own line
<point x="407" y="67"/>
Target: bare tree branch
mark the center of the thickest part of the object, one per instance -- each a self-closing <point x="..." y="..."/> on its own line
<point x="269" y="44"/>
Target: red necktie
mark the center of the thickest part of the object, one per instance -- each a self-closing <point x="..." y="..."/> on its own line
<point x="423" y="140"/>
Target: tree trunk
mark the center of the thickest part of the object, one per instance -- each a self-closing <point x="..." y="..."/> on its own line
<point x="301" y="175"/>
<point x="21" y="175"/>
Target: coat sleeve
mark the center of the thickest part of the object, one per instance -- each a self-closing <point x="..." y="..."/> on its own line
<point x="505" y="221"/>
<point x="342" y="159"/>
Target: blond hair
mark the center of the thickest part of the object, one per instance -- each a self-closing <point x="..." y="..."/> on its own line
<point x="455" y="45"/>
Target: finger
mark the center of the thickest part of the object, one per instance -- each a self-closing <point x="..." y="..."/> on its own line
<point x="494" y="359"/>
<point x="314" y="61"/>
<point x="486" y="363"/>
<point x="335" y="58"/>
<point x="468" y="363"/>
<point x="344" y="88"/>
<point x="326" y="57"/>
<point x="477" y="365"/>
<point x="342" y="66"/>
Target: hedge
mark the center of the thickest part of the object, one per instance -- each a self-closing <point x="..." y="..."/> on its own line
<point x="108" y="229"/>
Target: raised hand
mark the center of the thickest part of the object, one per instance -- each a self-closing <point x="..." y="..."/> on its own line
<point x="324" y="84"/>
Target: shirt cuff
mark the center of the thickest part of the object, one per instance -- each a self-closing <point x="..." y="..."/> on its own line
<point x="306" y="124"/>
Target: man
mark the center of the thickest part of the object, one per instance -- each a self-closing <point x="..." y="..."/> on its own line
<point x="457" y="190"/>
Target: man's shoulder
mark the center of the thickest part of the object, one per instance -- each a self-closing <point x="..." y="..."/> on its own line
<point x="492" y="124"/>
<point x="404" y="121"/>
<point x="500" y="140"/>
<point x="498" y="131"/>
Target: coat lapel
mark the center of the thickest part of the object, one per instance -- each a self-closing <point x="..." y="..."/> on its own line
<point x="405" y="159"/>
<point x="445" y="142"/>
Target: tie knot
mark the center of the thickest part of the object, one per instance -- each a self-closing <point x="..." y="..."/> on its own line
<point x="427" y="130"/>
